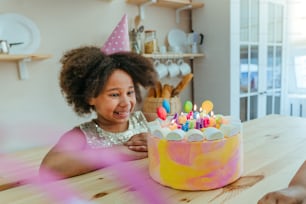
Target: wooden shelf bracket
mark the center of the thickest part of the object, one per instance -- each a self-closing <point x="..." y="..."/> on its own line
<point x="142" y="6"/>
<point x="22" y="69"/>
<point x="178" y="11"/>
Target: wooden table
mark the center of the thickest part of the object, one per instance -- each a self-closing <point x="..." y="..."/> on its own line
<point x="274" y="148"/>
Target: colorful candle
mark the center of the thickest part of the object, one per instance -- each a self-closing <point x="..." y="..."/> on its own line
<point x="192" y="124"/>
<point x="190" y="115"/>
<point x="202" y="113"/>
<point x="198" y="124"/>
<point x="212" y="122"/>
<point x="205" y="122"/>
<point x="182" y="119"/>
<point x="185" y="127"/>
<point x="195" y="112"/>
<point x="218" y="121"/>
<point x="173" y="125"/>
<point x="175" y="117"/>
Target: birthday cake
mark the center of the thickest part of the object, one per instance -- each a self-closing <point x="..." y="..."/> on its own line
<point x="195" y="150"/>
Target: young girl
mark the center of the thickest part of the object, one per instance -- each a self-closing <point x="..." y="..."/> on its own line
<point x="108" y="85"/>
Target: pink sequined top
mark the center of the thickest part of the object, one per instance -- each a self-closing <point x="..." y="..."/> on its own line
<point x="98" y="138"/>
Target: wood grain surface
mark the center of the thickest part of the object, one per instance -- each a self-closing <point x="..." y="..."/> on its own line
<point x="274" y="148"/>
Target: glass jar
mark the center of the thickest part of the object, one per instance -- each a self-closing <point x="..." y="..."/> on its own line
<point x="150" y="42"/>
<point x="136" y="42"/>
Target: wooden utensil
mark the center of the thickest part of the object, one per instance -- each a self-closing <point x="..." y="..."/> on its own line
<point x="137" y="21"/>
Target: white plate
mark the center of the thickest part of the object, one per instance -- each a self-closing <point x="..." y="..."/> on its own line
<point x="17" y="28"/>
<point x="177" y="37"/>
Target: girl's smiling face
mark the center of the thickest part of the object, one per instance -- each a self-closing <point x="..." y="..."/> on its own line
<point x="116" y="101"/>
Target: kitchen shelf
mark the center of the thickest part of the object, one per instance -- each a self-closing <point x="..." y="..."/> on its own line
<point x="179" y="5"/>
<point x="168" y="3"/>
<point x="21" y="60"/>
<point x="32" y="57"/>
<point x="174" y="55"/>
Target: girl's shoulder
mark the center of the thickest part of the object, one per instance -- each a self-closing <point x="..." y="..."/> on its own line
<point x="72" y="139"/>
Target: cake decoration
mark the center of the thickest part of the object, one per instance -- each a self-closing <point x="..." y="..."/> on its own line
<point x="195" y="149"/>
<point x="213" y="134"/>
<point x="166" y="105"/>
<point x="207" y="106"/>
<point x="161" y="113"/>
<point x="176" y="134"/>
<point x="194" y="135"/>
<point x="187" y="106"/>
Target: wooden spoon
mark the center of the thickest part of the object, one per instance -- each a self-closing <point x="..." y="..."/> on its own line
<point x="137" y="21"/>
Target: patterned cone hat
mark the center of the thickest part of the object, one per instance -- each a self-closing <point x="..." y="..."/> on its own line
<point x="119" y="39"/>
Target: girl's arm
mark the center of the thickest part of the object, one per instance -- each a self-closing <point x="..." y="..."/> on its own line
<point x="294" y="194"/>
<point x="71" y="157"/>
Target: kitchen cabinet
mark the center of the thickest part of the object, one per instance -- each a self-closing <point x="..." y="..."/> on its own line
<point x="22" y="60"/>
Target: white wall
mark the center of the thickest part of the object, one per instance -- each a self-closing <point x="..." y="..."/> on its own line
<point x="296" y="98"/>
<point x="212" y="80"/>
<point x="33" y="112"/>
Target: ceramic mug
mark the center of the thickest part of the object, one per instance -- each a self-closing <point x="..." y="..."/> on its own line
<point x="184" y="67"/>
<point x="173" y="68"/>
<point x="161" y="69"/>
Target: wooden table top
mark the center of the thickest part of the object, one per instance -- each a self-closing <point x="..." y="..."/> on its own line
<point x="274" y="148"/>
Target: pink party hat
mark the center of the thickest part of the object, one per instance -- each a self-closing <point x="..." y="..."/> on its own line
<point x="119" y="39"/>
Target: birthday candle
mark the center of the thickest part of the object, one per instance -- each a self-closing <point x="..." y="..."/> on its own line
<point x="195" y="112"/>
<point x="205" y="122"/>
<point x="182" y="119"/>
<point x="202" y="113"/>
<point x="212" y="122"/>
<point x="175" y="117"/>
<point x="173" y="125"/>
<point x="198" y="124"/>
<point x="185" y="127"/>
<point x="192" y="124"/>
<point x="190" y="115"/>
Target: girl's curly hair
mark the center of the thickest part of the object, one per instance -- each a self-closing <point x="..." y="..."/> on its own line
<point x="85" y="71"/>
